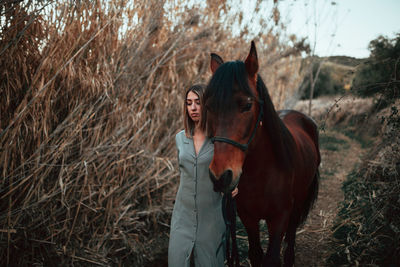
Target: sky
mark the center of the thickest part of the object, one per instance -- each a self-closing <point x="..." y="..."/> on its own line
<point x="343" y="28"/>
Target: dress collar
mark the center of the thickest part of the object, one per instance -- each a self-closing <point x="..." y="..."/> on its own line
<point x="190" y="146"/>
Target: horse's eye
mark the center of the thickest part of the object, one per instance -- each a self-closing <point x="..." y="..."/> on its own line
<point x="246" y="107"/>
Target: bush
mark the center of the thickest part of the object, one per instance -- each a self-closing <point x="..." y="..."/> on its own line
<point x="379" y="76"/>
<point x="325" y="84"/>
<point x="367" y="227"/>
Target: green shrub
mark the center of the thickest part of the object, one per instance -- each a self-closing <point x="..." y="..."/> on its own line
<point x="332" y="143"/>
<point x="379" y="76"/>
<point x="325" y="84"/>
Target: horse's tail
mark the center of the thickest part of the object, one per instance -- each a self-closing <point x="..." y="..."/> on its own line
<point x="312" y="196"/>
<point x="313" y="189"/>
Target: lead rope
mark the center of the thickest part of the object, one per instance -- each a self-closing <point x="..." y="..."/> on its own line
<point x="229" y="214"/>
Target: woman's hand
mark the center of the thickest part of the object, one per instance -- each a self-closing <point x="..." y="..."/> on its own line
<point x="235" y="192"/>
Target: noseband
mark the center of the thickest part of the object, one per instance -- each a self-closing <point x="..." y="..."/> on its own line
<point x="242" y="147"/>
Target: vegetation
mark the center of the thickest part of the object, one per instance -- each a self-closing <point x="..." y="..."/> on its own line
<point x="89" y="113"/>
<point x="332" y="143"/>
<point x="346" y="61"/>
<point x="376" y="76"/>
<point x="367" y="230"/>
<point x="333" y="78"/>
<point x="367" y="226"/>
<point x="379" y="76"/>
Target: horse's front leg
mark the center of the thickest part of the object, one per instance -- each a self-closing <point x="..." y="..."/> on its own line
<point x="253" y="233"/>
<point x="276" y="229"/>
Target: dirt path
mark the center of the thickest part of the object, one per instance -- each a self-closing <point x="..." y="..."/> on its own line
<point x="312" y="247"/>
<point x="339" y="154"/>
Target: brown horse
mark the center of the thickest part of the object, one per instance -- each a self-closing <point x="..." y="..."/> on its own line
<point x="274" y="154"/>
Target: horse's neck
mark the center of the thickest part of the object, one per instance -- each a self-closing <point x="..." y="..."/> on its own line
<point x="267" y="142"/>
<point x="261" y="150"/>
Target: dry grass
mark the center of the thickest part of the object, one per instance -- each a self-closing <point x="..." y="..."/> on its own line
<point x="331" y="111"/>
<point x="366" y="230"/>
<point x="90" y="104"/>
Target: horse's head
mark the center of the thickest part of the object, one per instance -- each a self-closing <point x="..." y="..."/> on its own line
<point x="234" y="111"/>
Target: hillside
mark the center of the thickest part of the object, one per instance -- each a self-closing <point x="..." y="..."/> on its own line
<point x="335" y="75"/>
<point x="346" y="61"/>
<point x="342" y="69"/>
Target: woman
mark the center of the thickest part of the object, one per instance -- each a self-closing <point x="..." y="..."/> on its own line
<point x="197" y="225"/>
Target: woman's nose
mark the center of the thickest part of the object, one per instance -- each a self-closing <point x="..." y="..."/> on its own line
<point x="193" y="106"/>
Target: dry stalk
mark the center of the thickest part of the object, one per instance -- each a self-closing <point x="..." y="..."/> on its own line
<point x="88" y="118"/>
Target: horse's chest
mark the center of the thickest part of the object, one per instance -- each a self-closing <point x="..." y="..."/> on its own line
<point x="263" y="194"/>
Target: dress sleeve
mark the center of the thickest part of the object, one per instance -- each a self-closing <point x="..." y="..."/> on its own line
<point x="177" y="142"/>
<point x="177" y="145"/>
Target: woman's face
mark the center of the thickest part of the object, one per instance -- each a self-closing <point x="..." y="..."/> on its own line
<point x="193" y="106"/>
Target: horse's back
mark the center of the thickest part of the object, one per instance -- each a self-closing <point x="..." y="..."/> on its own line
<point x="299" y="119"/>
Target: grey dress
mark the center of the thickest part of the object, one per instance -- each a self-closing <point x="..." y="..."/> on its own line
<point x="197" y="224"/>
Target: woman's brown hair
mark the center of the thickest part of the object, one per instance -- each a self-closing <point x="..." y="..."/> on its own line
<point x="189" y="125"/>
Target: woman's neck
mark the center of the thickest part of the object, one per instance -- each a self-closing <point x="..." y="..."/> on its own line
<point x="197" y="130"/>
<point x="198" y="138"/>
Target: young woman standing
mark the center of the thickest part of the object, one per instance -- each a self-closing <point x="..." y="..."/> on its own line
<point x="197" y="226"/>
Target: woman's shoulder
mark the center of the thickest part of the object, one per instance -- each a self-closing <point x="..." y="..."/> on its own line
<point x="180" y="136"/>
<point x="180" y="133"/>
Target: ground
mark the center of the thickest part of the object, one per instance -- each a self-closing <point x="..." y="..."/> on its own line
<point x="312" y="247"/>
<point x="340" y="154"/>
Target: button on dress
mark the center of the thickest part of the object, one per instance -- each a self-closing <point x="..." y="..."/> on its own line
<point x="197" y="224"/>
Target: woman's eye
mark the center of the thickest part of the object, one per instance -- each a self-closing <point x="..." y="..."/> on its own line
<point x="246" y="107"/>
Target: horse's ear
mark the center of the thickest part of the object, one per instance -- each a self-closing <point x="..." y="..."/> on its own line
<point x="216" y="61"/>
<point x="252" y="63"/>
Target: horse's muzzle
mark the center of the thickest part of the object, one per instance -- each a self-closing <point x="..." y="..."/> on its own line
<point x="223" y="183"/>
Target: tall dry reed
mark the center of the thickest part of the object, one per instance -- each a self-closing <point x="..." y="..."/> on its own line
<point x="91" y="101"/>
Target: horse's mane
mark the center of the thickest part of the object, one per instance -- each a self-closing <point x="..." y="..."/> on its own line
<point x="281" y="139"/>
<point x="230" y="78"/>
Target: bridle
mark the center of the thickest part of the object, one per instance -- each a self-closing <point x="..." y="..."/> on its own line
<point x="242" y="147"/>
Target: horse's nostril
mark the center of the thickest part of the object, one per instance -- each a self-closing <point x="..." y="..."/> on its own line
<point x="222" y="184"/>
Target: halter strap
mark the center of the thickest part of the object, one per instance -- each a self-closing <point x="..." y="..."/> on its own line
<point x="229" y="214"/>
<point x="242" y="147"/>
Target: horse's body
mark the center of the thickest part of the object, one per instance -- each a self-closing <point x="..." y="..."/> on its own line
<point x="278" y="168"/>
